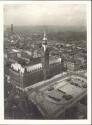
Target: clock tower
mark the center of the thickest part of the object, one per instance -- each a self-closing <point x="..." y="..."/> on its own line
<point x="45" y="57"/>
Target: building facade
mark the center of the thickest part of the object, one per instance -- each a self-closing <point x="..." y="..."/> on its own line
<point x="26" y="75"/>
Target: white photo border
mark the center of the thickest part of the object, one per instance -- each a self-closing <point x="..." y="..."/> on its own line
<point x="43" y="122"/>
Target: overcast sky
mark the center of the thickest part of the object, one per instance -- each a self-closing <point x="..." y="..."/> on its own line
<point x="45" y="14"/>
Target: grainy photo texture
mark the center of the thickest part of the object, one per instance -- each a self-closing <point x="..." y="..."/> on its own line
<point x="45" y="61"/>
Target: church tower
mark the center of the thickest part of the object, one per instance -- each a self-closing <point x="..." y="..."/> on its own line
<point x="11" y="28"/>
<point x="45" y="57"/>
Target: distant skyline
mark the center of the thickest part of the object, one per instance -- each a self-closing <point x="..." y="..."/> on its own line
<point x="45" y="14"/>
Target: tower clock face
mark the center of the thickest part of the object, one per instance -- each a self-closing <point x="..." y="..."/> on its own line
<point x="44" y="47"/>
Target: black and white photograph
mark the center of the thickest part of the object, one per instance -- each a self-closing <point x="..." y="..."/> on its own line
<point x="45" y="61"/>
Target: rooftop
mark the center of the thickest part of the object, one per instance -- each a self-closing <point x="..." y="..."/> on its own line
<point x="57" y="94"/>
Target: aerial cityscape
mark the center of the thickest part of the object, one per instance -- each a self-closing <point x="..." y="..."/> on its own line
<point x="45" y="68"/>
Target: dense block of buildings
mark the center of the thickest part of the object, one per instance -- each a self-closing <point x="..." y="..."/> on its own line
<point x="50" y="81"/>
<point x="23" y="74"/>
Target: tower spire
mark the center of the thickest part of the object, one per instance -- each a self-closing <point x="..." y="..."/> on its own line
<point x="44" y="42"/>
<point x="45" y="37"/>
